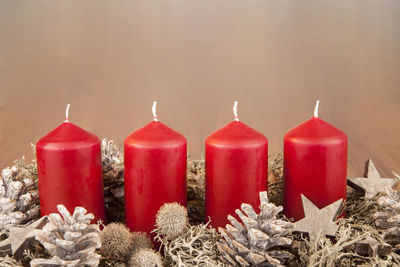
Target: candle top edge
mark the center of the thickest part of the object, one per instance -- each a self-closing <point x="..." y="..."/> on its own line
<point x="68" y="132"/>
<point x="236" y="133"/>
<point x="153" y="134"/>
<point x="315" y="128"/>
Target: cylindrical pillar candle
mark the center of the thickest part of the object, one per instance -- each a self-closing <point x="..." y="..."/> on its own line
<point x="155" y="173"/>
<point x="70" y="171"/>
<point x="315" y="165"/>
<point x="236" y="169"/>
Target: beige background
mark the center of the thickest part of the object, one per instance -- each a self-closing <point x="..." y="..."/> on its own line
<point x="111" y="59"/>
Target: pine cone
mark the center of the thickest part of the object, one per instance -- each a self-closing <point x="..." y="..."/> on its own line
<point x="196" y="190"/>
<point x="388" y="220"/>
<point x="19" y="201"/>
<point x="71" y="240"/>
<point x="113" y="177"/>
<point x="260" y="240"/>
<point x="275" y="179"/>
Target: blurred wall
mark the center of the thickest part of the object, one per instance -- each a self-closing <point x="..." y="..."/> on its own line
<point x="111" y="59"/>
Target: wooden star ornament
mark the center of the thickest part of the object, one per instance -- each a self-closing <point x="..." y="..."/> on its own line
<point x="20" y="236"/>
<point x="372" y="183"/>
<point x="318" y="220"/>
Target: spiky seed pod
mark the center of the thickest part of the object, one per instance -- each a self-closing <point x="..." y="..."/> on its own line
<point x="70" y="239"/>
<point x="259" y="239"/>
<point x="171" y="220"/>
<point x="113" y="176"/>
<point x="141" y="240"/>
<point x="145" y="258"/>
<point x="388" y="220"/>
<point x="18" y="198"/>
<point x="196" y="190"/>
<point x="116" y="240"/>
<point x="195" y="247"/>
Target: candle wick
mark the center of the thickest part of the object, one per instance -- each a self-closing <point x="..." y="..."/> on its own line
<point x="154" y="110"/>
<point x="67" y="114"/>
<point x="235" y="111"/>
<point x="316" y="109"/>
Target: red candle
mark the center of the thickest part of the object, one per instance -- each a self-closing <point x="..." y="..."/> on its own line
<point x="155" y="173"/>
<point x="236" y="169"/>
<point x="315" y="164"/>
<point x="70" y="171"/>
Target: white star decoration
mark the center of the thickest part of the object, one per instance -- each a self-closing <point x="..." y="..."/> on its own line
<point x="373" y="183"/>
<point x="318" y="220"/>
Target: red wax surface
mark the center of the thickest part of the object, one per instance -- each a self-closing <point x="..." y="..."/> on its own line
<point x="70" y="171"/>
<point x="236" y="170"/>
<point x="155" y="173"/>
<point x="315" y="165"/>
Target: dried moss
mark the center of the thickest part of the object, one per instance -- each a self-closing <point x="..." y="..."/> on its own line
<point x="9" y="262"/>
<point x="359" y="209"/>
<point x="195" y="247"/>
<point x="324" y="252"/>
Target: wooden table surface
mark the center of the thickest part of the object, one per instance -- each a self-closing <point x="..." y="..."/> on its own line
<point x="111" y="59"/>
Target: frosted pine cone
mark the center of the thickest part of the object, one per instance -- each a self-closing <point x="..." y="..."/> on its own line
<point x="18" y="198"/>
<point x="113" y="177"/>
<point x="259" y="239"/>
<point x="388" y="220"/>
<point x="71" y="240"/>
<point x="196" y="190"/>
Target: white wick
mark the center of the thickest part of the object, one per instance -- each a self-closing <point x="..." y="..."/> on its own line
<point x="235" y="111"/>
<point x="67" y="114"/>
<point x="154" y="110"/>
<point x="316" y="109"/>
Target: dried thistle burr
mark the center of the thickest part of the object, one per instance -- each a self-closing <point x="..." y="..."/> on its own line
<point x="70" y="239"/>
<point x="145" y="258"/>
<point x="141" y="240"/>
<point x="388" y="220"/>
<point x="113" y="177"/>
<point x="259" y="240"/>
<point x="171" y="220"/>
<point x="19" y="202"/>
<point x="116" y="240"/>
